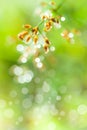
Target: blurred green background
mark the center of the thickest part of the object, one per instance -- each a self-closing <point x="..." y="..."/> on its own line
<point x="56" y="98"/>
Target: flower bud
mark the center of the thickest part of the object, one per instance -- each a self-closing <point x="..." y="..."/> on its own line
<point x="35" y="30"/>
<point x="22" y="35"/>
<point x="27" y="26"/>
<point x="35" y="39"/>
<point x="28" y="38"/>
<point x="47" y="41"/>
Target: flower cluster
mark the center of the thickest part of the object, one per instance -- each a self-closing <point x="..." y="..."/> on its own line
<point x="36" y="38"/>
<point x="50" y="21"/>
<point x="68" y="35"/>
<point x="34" y="35"/>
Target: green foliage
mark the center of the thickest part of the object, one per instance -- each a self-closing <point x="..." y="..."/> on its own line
<point x="60" y="90"/>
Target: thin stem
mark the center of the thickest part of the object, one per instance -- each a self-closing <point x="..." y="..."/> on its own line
<point x="60" y="5"/>
<point x="41" y="33"/>
<point x="40" y="23"/>
<point x="39" y="28"/>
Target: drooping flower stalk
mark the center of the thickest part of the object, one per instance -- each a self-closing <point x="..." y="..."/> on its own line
<point x="35" y="37"/>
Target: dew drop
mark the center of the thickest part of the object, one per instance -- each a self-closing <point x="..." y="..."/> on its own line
<point x="24" y="90"/>
<point x="20" y="48"/>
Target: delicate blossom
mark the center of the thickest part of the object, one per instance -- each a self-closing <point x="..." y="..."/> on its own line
<point x="35" y="37"/>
